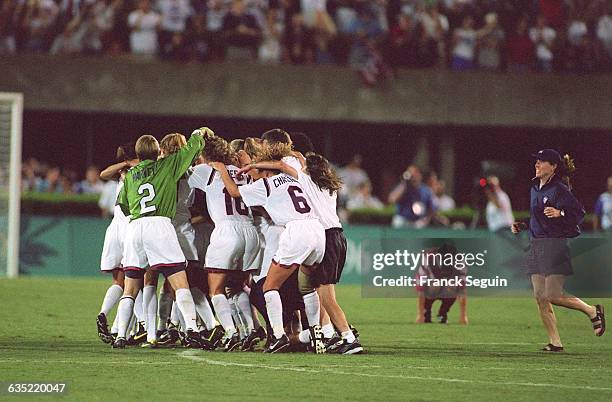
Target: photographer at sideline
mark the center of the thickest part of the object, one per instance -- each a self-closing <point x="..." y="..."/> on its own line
<point x="602" y="218"/>
<point x="413" y="200"/>
<point x="555" y="216"/>
<point x="447" y="295"/>
<point x="499" y="208"/>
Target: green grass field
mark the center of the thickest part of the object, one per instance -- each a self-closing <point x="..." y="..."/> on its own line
<point x="48" y="334"/>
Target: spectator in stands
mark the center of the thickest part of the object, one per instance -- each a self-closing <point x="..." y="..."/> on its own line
<point x="602" y="218"/>
<point x="441" y="201"/>
<point x="92" y="183"/>
<point x="174" y="15"/>
<point x="353" y="177"/>
<point x="52" y="183"/>
<point x="403" y="43"/>
<point x="240" y="33"/>
<point x="299" y="42"/>
<point x="604" y="33"/>
<point x="30" y="175"/>
<point x="363" y="199"/>
<point x="9" y="10"/>
<point x="464" y="45"/>
<point x="215" y="11"/>
<point x="413" y="200"/>
<point x="489" y="56"/>
<point x="270" y="48"/>
<point x="499" y="208"/>
<point x="324" y="37"/>
<point x="144" y="23"/>
<point x="520" y="48"/>
<point x="366" y="33"/>
<point x="543" y="36"/>
<point x="38" y="23"/>
<point x="435" y="28"/>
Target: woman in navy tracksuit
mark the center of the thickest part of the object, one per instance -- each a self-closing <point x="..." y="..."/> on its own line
<point x="555" y="216"/>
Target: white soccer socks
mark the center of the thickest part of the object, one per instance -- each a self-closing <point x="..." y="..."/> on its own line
<point x="124" y="314"/>
<point x="312" y="308"/>
<point x="274" y="307"/>
<point x="203" y="308"/>
<point x="112" y="296"/>
<point x="149" y="299"/>
<point x="138" y="310"/>
<point x="185" y="303"/>
<point x="244" y="305"/>
<point x="224" y="314"/>
<point x="164" y="309"/>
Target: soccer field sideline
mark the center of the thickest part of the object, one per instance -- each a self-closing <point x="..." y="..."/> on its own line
<point x="50" y="335"/>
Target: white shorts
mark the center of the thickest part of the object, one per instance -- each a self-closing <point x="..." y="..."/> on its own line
<point x="186" y="237"/>
<point x="112" y="251"/>
<point x="271" y="235"/>
<point x="202" y="239"/>
<point x="302" y="242"/>
<point x="151" y="241"/>
<point x="233" y="246"/>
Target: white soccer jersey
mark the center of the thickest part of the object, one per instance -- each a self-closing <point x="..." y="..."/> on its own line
<point x="184" y="201"/>
<point x="221" y="206"/>
<point x="293" y="162"/>
<point x="118" y="215"/>
<point x="323" y="204"/>
<point x="281" y="195"/>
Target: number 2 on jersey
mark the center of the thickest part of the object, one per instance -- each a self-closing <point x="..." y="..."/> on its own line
<point x="148" y="188"/>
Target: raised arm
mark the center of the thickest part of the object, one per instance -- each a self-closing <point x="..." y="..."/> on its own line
<point x="228" y="182"/>
<point x="271" y="165"/>
<point x="115" y="169"/>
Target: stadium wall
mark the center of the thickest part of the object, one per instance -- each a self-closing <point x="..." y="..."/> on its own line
<point x="309" y="93"/>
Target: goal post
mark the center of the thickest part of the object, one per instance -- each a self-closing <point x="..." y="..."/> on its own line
<point x="11" y="115"/>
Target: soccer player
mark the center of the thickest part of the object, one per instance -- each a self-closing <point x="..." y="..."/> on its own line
<point x="301" y="244"/>
<point x="234" y="244"/>
<point x="112" y="251"/>
<point x="555" y="216"/>
<point x="149" y="196"/>
<point x="321" y="185"/>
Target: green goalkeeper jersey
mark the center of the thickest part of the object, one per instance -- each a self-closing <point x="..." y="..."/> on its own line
<point x="150" y="188"/>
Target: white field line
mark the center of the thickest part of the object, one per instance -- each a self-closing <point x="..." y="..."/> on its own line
<point x="192" y="355"/>
<point x="322" y="366"/>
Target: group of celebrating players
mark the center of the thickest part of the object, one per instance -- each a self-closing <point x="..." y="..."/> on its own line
<point x="249" y="226"/>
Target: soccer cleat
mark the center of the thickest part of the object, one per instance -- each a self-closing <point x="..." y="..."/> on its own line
<point x="149" y="345"/>
<point x="355" y="331"/>
<point x="232" y="343"/>
<point x="192" y="339"/>
<point x="317" y="343"/>
<point x="214" y="336"/>
<point x="277" y="344"/>
<point x="103" y="332"/>
<point x="350" y="348"/>
<point x="139" y="337"/>
<point x="119" y="343"/>
<point x="249" y="343"/>
<point x="333" y="344"/>
<point x="443" y="319"/>
<point x="168" y="338"/>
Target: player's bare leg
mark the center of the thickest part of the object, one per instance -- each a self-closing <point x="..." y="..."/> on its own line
<point x="184" y="301"/>
<point x="216" y="285"/>
<point x="133" y="285"/>
<point x="111" y="298"/>
<point x="547" y="313"/>
<point x="277" y="275"/>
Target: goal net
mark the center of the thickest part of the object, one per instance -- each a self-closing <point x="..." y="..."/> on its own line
<point x="11" y="111"/>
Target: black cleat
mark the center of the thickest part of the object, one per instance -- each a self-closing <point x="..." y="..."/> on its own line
<point x="249" y="343"/>
<point x="443" y="319"/>
<point x="103" y="332"/>
<point x="232" y="343"/>
<point x="192" y="339"/>
<point x="317" y="342"/>
<point x="119" y="343"/>
<point x="277" y="344"/>
<point x="205" y="344"/>
<point x="214" y="336"/>
<point x="351" y="348"/>
<point x="149" y="345"/>
<point x="333" y="344"/>
<point x="355" y="331"/>
<point x="169" y="337"/>
<point x="139" y="337"/>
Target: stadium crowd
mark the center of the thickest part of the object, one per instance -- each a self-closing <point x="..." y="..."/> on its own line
<point x="372" y="36"/>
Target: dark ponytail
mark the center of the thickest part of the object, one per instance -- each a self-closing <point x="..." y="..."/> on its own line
<point x="321" y="173"/>
<point x="568" y="170"/>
